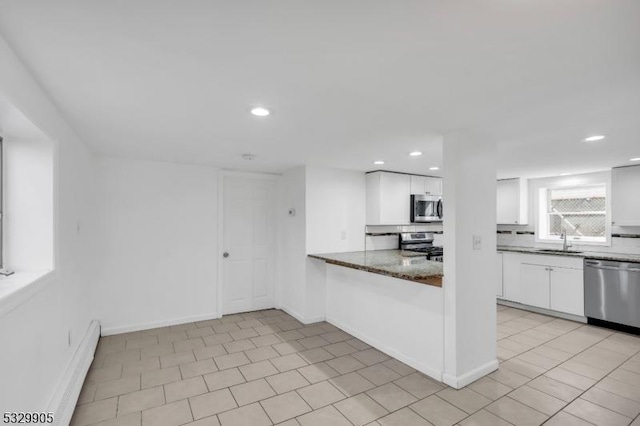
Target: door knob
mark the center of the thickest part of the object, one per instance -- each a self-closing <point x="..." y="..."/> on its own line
<point x="225" y="254"/>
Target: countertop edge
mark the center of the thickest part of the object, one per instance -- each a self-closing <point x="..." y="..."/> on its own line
<point x="433" y="280"/>
<point x="618" y="257"/>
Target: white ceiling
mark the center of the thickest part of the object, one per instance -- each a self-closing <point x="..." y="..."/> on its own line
<point x="348" y="82"/>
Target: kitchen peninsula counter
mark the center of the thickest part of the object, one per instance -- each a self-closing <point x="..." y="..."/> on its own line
<point x="391" y="299"/>
<point x="405" y="265"/>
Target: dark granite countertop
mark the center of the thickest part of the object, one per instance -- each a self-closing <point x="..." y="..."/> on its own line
<point x="405" y="265"/>
<point x="620" y="257"/>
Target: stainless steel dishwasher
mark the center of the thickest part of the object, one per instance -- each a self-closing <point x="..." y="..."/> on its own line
<point x="612" y="292"/>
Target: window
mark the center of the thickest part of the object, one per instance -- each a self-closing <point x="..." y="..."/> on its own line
<point x="580" y="211"/>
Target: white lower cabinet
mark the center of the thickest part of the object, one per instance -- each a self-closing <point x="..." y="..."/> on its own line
<point x="567" y="290"/>
<point x="534" y="285"/>
<point x="548" y="282"/>
<point x="499" y="285"/>
<point x="511" y="276"/>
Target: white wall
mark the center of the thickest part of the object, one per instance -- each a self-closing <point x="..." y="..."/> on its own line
<point x="290" y="292"/>
<point x="34" y="334"/>
<point x="336" y="210"/>
<point x="469" y="272"/>
<point x="157" y="244"/>
<point x="330" y="217"/>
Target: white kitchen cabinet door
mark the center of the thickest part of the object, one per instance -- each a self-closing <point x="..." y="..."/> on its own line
<point x="418" y="185"/>
<point x="512" y="202"/>
<point x="567" y="290"/>
<point x="388" y="198"/>
<point x="395" y="194"/>
<point x="534" y="285"/>
<point x="433" y="186"/>
<point x="625" y="203"/>
<point x="511" y="276"/>
<point x="499" y="289"/>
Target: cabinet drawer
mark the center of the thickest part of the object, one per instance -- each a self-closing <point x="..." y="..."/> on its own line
<point x="557" y="261"/>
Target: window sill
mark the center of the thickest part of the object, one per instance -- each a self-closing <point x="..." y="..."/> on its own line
<point x="20" y="287"/>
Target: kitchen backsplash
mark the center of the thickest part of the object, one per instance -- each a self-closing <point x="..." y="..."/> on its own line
<point x="623" y="241"/>
<point x="380" y="237"/>
<point x="385" y="237"/>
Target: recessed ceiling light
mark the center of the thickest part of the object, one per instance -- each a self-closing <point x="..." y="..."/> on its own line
<point x="594" y="138"/>
<point x="634" y="159"/>
<point x="378" y="162"/>
<point x="248" y="157"/>
<point x="434" y="168"/>
<point x="565" y="174"/>
<point x="260" y="112"/>
<point x="415" y="153"/>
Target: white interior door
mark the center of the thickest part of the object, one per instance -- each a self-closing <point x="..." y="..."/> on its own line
<point x="248" y="250"/>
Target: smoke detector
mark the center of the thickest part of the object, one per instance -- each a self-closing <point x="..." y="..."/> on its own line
<point x="248" y="157"/>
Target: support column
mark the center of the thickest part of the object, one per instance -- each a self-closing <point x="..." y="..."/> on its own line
<point x="469" y="258"/>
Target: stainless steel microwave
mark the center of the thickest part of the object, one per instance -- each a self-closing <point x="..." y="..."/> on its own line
<point x="426" y="208"/>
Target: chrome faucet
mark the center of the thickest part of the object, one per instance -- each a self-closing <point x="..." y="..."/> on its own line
<point x="565" y="244"/>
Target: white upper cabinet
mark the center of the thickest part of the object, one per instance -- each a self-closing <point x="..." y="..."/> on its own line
<point x="512" y="202"/>
<point x="625" y="202"/>
<point x="388" y="198"/>
<point x="426" y="185"/>
<point x="433" y="186"/>
<point x="418" y="185"/>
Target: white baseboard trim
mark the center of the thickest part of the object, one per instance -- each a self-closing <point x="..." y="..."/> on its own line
<point x="313" y="320"/>
<point x="430" y="371"/>
<point x="66" y="396"/>
<point x="542" y="311"/>
<point x="108" y="331"/>
<point x="293" y="313"/>
<point x="300" y="317"/>
<point x="463" y="380"/>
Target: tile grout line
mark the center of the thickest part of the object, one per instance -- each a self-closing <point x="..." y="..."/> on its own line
<point x="515" y="357"/>
<point x="559" y="365"/>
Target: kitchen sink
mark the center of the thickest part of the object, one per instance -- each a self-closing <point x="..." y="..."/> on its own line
<point x="558" y="251"/>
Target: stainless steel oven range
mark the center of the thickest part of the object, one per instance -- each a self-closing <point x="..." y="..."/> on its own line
<point x="421" y="242"/>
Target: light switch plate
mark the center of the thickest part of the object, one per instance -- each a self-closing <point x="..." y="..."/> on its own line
<point x="477" y="242"/>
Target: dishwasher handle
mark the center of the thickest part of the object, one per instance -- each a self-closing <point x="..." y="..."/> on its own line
<point x="611" y="268"/>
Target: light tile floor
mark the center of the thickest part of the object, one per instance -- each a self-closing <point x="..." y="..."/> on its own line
<point x="264" y="368"/>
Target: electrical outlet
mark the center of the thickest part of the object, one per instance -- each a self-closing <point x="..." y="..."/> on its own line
<point x="477" y="242"/>
<point x="343" y="235"/>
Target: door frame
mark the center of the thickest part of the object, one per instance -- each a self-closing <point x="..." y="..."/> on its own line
<point x="222" y="174"/>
